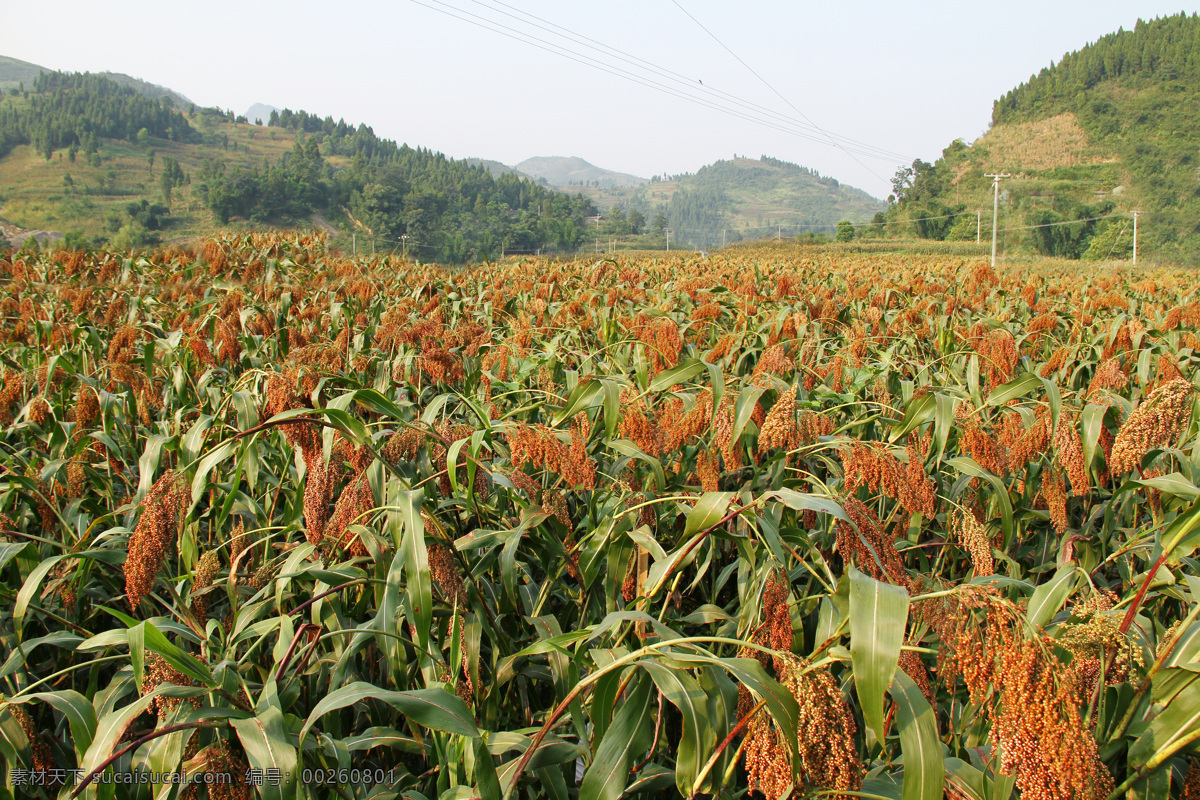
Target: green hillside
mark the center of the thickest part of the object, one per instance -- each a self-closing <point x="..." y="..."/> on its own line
<point x="14" y="73"/>
<point x="742" y="198"/>
<point x="105" y="164"/>
<point x="1111" y="129"/>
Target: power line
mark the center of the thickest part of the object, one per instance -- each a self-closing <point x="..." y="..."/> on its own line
<point x="873" y="224"/>
<point x="776" y="91"/>
<point x="670" y="74"/>
<point x="559" y="50"/>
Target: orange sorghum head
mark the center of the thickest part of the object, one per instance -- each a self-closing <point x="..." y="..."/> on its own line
<point x="155" y="532"/>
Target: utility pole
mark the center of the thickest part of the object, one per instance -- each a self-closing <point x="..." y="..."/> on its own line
<point x="978" y="224"/>
<point x="1135" y="216"/>
<point x="353" y="244"/>
<point x="404" y="244"/>
<point x="668" y="240"/>
<point x="723" y="233"/>
<point x="995" y="207"/>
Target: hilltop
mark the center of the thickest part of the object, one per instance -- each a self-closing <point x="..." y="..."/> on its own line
<point x="742" y="198"/>
<point x="259" y="111"/>
<point x="572" y="172"/>
<point x="1112" y="128"/>
<point x="496" y="168"/>
<point x="15" y="73"/>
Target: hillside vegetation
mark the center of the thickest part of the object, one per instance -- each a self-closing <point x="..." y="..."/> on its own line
<point x="132" y="164"/>
<point x="101" y="161"/>
<point x="742" y="198"/>
<point x="1110" y="129"/>
<point x="16" y="74"/>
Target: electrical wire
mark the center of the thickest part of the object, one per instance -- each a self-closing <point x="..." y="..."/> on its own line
<point x="873" y="224"/>
<point x="556" y="49"/>
<point x="776" y="91"/>
<point x="691" y="83"/>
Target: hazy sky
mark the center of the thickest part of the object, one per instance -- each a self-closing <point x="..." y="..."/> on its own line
<point x="905" y="77"/>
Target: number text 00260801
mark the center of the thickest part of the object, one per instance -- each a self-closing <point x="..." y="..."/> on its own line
<point x="347" y="776"/>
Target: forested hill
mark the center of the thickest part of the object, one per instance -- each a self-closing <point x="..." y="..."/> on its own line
<point x="76" y="111"/>
<point x="80" y="153"/>
<point x="453" y="209"/>
<point x="1112" y="128"/>
<point x="1157" y="55"/>
<point x="743" y="198"/>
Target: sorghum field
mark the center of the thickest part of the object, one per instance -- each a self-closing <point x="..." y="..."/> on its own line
<point x="775" y="520"/>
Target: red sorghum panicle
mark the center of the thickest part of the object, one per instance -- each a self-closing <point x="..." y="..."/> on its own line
<point x="827" y="756"/>
<point x="157" y="672"/>
<point x="1030" y="699"/>
<point x="353" y="507"/>
<point x="708" y="471"/>
<point x="1098" y="648"/>
<point x="779" y="429"/>
<point x="1191" y="781"/>
<point x="723" y="438"/>
<point x="1055" y="495"/>
<point x="872" y="465"/>
<point x="446" y="575"/>
<point x="14" y="384"/>
<point x="1156" y="423"/>
<point x="864" y="541"/>
<point x="43" y="756"/>
<point x="206" y="571"/>
<point x="1109" y="376"/>
<point x="1069" y="447"/>
<point x="972" y="535"/>
<point x="229" y="768"/>
<point x="318" y="490"/>
<point x="87" y="408"/>
<point x="154" y="534"/>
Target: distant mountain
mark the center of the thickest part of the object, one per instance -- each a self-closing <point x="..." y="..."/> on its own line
<point x="495" y="167"/>
<point x="13" y="73"/>
<point x="146" y="89"/>
<point x="743" y="198"/>
<point x="573" y="171"/>
<point x="259" y="111"/>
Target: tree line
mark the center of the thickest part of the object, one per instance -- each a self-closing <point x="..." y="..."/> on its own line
<point x="75" y="111"/>
<point x="437" y="207"/>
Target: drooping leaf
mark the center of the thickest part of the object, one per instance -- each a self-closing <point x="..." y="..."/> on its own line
<point x="435" y="709"/>
<point x="878" y="617"/>
<point x="924" y="770"/>
<point x="629" y="734"/>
